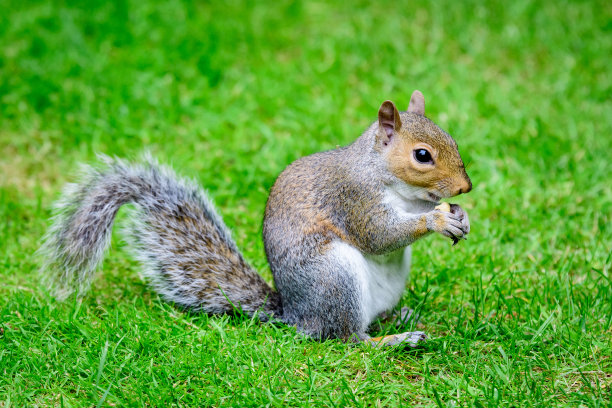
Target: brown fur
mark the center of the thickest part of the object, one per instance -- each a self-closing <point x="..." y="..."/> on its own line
<point x="448" y="172"/>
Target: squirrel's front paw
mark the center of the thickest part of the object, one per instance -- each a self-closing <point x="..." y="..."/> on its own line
<point x="460" y="212"/>
<point x="453" y="224"/>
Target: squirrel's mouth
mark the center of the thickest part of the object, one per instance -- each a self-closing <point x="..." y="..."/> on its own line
<point x="433" y="197"/>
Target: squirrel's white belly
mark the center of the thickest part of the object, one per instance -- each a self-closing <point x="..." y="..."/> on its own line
<point x="382" y="278"/>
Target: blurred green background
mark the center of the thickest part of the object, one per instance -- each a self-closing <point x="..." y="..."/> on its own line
<point x="230" y="93"/>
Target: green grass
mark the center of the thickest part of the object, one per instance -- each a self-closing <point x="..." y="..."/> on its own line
<point x="519" y="315"/>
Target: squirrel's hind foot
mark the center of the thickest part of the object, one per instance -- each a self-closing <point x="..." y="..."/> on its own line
<point x="411" y="339"/>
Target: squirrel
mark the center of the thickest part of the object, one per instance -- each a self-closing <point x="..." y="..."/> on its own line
<point x="337" y="230"/>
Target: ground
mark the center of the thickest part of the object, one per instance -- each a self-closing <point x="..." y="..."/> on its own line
<point x="230" y="94"/>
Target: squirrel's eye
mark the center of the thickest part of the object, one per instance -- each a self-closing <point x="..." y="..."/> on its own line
<point x="422" y="156"/>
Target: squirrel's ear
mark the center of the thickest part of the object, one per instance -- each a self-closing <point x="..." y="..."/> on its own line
<point x="417" y="103"/>
<point x="388" y="120"/>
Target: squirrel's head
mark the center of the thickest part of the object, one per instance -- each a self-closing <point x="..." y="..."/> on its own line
<point x="419" y="153"/>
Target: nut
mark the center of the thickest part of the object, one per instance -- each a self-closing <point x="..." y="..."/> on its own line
<point x="444" y="207"/>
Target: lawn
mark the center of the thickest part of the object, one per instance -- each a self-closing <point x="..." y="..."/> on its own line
<point x="229" y="93"/>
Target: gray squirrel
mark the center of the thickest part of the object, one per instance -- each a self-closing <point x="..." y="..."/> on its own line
<point x="337" y="230"/>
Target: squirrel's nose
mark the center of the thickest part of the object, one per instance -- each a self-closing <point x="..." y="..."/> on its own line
<point x="465" y="188"/>
<point x="469" y="186"/>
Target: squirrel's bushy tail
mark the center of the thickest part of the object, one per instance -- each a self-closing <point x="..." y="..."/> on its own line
<point x="187" y="251"/>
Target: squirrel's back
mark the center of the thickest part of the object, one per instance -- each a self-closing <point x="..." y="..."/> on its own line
<point x="317" y="197"/>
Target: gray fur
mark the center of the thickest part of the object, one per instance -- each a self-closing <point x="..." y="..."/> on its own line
<point x="321" y="297"/>
<point x="174" y="230"/>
